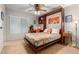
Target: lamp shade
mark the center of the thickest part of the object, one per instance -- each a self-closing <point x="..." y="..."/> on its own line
<point x="76" y="22"/>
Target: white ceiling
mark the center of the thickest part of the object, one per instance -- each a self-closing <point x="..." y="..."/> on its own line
<point x="26" y="7"/>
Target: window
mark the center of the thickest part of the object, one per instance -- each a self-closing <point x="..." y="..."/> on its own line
<point x="19" y="24"/>
<point x="15" y="23"/>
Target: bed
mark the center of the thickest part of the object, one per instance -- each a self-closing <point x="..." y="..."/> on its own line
<point x="42" y="38"/>
<point x="39" y="41"/>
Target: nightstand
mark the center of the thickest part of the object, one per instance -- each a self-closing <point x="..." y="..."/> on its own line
<point x="67" y="38"/>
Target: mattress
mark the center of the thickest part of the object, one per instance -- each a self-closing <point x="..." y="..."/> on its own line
<point x="39" y="39"/>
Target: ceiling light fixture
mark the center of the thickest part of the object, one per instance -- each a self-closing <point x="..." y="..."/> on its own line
<point x="37" y="12"/>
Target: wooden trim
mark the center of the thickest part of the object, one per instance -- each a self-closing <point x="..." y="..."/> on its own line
<point x="56" y="10"/>
<point x="62" y="24"/>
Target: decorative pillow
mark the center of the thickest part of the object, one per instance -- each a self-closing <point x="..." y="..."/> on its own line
<point x="37" y="30"/>
<point x="49" y="30"/>
<point x="55" y="30"/>
<point x="45" y="30"/>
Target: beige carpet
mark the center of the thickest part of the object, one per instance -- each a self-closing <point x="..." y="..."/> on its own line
<point x="17" y="47"/>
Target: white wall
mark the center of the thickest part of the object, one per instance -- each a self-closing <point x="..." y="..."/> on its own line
<point x="28" y="17"/>
<point x="3" y="30"/>
<point x="74" y="11"/>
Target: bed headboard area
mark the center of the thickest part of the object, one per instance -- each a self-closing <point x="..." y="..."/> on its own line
<point x="53" y="19"/>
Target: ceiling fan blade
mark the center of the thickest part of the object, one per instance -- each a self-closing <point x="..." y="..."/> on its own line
<point x="42" y="5"/>
<point x="31" y="10"/>
<point x="43" y="10"/>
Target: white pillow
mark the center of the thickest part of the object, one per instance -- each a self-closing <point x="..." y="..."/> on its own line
<point x="45" y="30"/>
<point x="55" y="30"/>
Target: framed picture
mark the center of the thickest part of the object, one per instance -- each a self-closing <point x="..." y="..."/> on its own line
<point x="2" y="16"/>
<point x="54" y="20"/>
<point x="68" y="18"/>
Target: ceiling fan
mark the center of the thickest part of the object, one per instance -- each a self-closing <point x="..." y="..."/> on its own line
<point x="42" y="8"/>
<point x="37" y="8"/>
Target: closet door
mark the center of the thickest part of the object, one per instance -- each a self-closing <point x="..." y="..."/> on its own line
<point x="1" y="39"/>
<point x="1" y="33"/>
